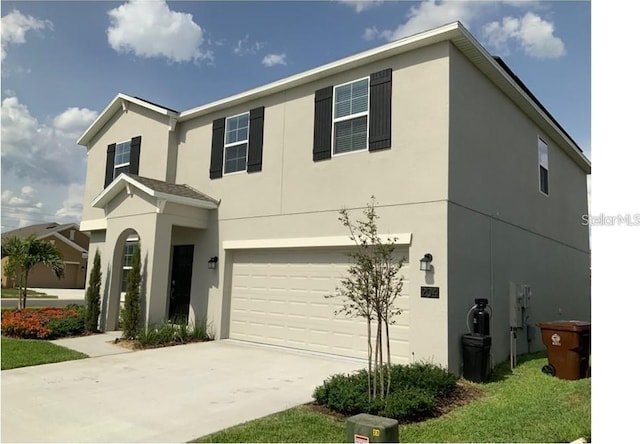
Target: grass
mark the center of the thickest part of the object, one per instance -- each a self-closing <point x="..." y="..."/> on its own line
<point x="520" y="406"/>
<point x="25" y="352"/>
<point x="12" y="293"/>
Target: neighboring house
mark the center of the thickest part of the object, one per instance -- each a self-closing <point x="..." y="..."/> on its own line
<point x="72" y="244"/>
<point x="464" y="162"/>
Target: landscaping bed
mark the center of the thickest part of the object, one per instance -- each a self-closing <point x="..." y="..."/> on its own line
<point x="523" y="405"/>
<point x="43" y="323"/>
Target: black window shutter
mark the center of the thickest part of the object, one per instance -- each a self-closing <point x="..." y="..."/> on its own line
<point x="217" y="149"/>
<point x="256" y="129"/>
<point x="111" y="158"/>
<point x="134" y="158"/>
<point x="380" y="110"/>
<point x="322" y="124"/>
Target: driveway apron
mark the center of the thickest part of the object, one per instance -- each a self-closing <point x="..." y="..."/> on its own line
<point x="172" y="394"/>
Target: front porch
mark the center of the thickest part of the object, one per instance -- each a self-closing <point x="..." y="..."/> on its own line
<point x="176" y="232"/>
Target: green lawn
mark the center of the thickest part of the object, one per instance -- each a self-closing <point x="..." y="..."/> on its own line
<point x="25" y="352"/>
<point x="12" y="293"/>
<point x="523" y="406"/>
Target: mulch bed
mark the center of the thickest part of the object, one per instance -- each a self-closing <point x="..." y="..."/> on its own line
<point x="463" y="394"/>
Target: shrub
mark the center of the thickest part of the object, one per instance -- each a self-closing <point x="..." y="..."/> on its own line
<point x="92" y="296"/>
<point x="415" y="389"/>
<point x="173" y="333"/>
<point x="72" y="324"/>
<point x="132" y="308"/>
<point x="43" y="323"/>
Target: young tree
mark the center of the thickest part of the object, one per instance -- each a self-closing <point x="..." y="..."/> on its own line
<point x="132" y="308"/>
<point x="92" y="296"/>
<point x="370" y="290"/>
<point x="24" y="254"/>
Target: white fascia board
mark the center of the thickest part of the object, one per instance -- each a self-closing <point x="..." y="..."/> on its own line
<point x="306" y="242"/>
<point x="93" y="224"/>
<point x="110" y="110"/>
<point x="440" y="34"/>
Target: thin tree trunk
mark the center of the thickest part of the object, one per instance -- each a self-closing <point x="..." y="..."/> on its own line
<point x="26" y="280"/>
<point x="386" y="324"/>
<point x="379" y="359"/>
<point x="370" y="352"/>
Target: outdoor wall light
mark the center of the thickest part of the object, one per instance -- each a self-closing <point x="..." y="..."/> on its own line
<point x="425" y="262"/>
<point x="213" y="263"/>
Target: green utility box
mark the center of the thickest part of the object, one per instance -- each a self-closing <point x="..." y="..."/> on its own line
<point x="365" y="428"/>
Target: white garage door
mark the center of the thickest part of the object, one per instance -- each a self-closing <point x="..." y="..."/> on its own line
<point x="278" y="298"/>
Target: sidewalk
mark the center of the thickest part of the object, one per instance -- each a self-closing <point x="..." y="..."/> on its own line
<point x="63" y="293"/>
<point x="94" y="345"/>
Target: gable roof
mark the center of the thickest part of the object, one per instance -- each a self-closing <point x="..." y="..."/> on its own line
<point x="39" y="230"/>
<point x="181" y="194"/>
<point x="456" y="33"/>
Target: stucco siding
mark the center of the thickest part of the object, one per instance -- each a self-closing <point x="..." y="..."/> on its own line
<point x="486" y="254"/>
<point x="494" y="161"/>
<point x="413" y="170"/>
<point x="155" y="156"/>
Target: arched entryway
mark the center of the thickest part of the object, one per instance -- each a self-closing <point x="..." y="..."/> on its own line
<point x="121" y="267"/>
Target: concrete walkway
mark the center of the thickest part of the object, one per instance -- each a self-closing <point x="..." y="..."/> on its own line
<point x="94" y="345"/>
<point x="63" y="293"/>
<point x="171" y="394"/>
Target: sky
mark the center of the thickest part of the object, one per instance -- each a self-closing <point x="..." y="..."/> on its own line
<point x="63" y="62"/>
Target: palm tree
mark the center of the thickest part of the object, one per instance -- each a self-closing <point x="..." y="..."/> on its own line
<point x="24" y="254"/>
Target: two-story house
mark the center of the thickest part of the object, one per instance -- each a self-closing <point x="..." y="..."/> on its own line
<point x="465" y="164"/>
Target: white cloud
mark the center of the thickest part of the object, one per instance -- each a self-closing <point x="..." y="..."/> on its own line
<point x="22" y="209"/>
<point x="39" y="152"/>
<point x="74" y="121"/>
<point x="361" y="5"/>
<point x="373" y="33"/>
<point x="151" y="29"/>
<point x="15" y="26"/>
<point x="71" y="210"/>
<point x="531" y="33"/>
<point x="429" y="14"/>
<point x="244" y="46"/>
<point x="274" y="59"/>
<point x="42" y="167"/>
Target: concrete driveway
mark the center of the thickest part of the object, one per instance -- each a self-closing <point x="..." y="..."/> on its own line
<point x="171" y="394"/>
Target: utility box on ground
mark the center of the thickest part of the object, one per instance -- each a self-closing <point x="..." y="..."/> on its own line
<point x="365" y="428"/>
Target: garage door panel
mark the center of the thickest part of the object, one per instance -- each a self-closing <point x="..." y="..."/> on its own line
<point x="279" y="298"/>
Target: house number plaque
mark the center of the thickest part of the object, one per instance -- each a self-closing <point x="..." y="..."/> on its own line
<point x="430" y="292"/>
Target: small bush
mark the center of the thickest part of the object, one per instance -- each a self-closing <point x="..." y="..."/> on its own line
<point x="173" y="333"/>
<point x="415" y="389"/>
<point x="43" y="323"/>
<point x="71" y="325"/>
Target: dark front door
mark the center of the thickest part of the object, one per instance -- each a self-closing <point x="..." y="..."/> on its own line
<point x="180" y="282"/>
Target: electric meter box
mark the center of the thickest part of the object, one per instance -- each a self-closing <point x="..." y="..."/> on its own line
<point x="365" y="428"/>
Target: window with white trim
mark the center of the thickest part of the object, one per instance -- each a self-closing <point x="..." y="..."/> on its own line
<point x="236" y="141"/>
<point x="543" y="166"/>
<point x="127" y="259"/>
<point x="122" y="158"/>
<point x="350" y="116"/>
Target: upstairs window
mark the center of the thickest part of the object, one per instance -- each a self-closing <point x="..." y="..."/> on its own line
<point x="350" y="116"/>
<point x="122" y="158"/>
<point x="236" y="142"/>
<point x="543" y="166"/>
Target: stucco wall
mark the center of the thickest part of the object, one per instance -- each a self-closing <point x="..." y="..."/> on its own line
<point x="501" y="227"/>
<point x="155" y="158"/>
